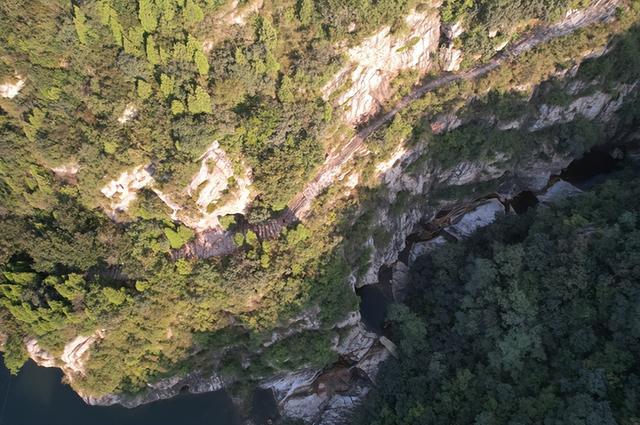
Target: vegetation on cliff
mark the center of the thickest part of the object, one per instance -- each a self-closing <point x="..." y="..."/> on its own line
<point x="531" y="320"/>
<point x="115" y="84"/>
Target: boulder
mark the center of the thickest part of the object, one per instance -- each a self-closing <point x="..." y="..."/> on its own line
<point x="195" y="382"/>
<point x="355" y="344"/>
<point x="423" y="248"/>
<point x="481" y="216"/>
<point x="399" y="281"/>
<point x="557" y="192"/>
<point x="370" y="364"/>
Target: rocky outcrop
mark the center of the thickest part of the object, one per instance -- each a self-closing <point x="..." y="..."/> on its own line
<point x="557" y="192"/>
<point x="531" y="174"/>
<point x="212" y="182"/>
<point x="240" y="11"/>
<point x="379" y="59"/>
<point x="67" y="173"/>
<point x="481" y="216"/>
<point x="419" y="249"/>
<point x="599" y="104"/>
<point x="451" y="58"/>
<point x="72" y="359"/>
<point x="122" y="191"/>
<point x="195" y="382"/>
<point x="306" y="321"/>
<point x="216" y="190"/>
<point x="11" y="87"/>
<point x="129" y="113"/>
<point x="328" y="396"/>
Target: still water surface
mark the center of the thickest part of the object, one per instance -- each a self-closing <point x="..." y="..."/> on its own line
<point x="37" y="397"/>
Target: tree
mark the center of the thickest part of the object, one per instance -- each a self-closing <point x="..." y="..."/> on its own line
<point x="305" y="11"/>
<point x="148" y="15"/>
<point x="15" y="354"/>
<point x="114" y="296"/>
<point x="80" y="23"/>
<point x="267" y="33"/>
<point x="177" y="107"/>
<point x="199" y="102"/>
<point x="152" y="51"/>
<point x="192" y="13"/>
<point x="144" y="89"/>
<point x="166" y="85"/>
<point x="201" y="63"/>
<point x="285" y="91"/>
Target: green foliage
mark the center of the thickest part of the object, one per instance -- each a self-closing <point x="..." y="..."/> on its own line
<point x="285" y="91"/>
<point x="227" y="221"/>
<point x="148" y="15"/>
<point x="151" y="50"/>
<point x="199" y="102"/>
<point x="177" y="107"/>
<point x="166" y="85"/>
<point x="202" y="63"/>
<point x="178" y="238"/>
<point x="252" y="239"/>
<point x="540" y="292"/>
<point x="15" y="354"/>
<point x="144" y="89"/>
<point x="116" y="297"/>
<point x="305" y="11"/>
<point x="192" y="12"/>
<point x="80" y="23"/>
<point x="267" y="34"/>
<point x="68" y="269"/>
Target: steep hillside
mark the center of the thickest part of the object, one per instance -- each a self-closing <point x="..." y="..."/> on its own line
<point x="191" y="190"/>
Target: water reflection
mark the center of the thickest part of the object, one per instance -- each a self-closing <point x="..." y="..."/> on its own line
<point x="37" y="397"/>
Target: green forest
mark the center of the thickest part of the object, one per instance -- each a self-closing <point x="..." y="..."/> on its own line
<point x="534" y="319"/>
<point x="111" y="85"/>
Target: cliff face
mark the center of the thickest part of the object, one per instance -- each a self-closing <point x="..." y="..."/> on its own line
<point x="363" y="84"/>
<point x="216" y="190"/>
<point x="509" y="177"/>
<point x="326" y="395"/>
<point x="73" y="357"/>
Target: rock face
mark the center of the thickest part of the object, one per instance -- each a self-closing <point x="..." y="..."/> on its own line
<point x="195" y="382"/>
<point x="481" y="216"/>
<point x="123" y="190"/>
<point x="329" y="396"/>
<point x="423" y="248"/>
<point x="73" y="358"/>
<point x="451" y="58"/>
<point x="375" y="62"/>
<point x="598" y="104"/>
<point x="214" y="178"/>
<point x="557" y="192"/>
<point x="532" y="174"/>
<point x="216" y="190"/>
<point x="10" y="89"/>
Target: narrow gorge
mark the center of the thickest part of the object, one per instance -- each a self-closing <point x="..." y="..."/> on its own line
<point x="228" y="197"/>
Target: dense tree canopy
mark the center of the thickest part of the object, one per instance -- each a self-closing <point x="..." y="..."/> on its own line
<point x="532" y="320"/>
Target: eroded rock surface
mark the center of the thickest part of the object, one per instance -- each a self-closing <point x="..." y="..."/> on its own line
<point x="73" y="358"/>
<point x="557" y="192"/>
<point x="375" y="62"/>
<point x="481" y="216"/>
<point x="423" y="248"/>
<point x="599" y="103"/>
<point x="195" y="383"/>
<point x="216" y="190"/>
<point x="122" y="191"/>
<point x="11" y="87"/>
